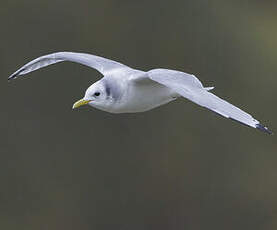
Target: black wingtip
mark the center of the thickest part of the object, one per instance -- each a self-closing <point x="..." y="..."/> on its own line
<point x="263" y="128"/>
<point x="15" y="75"/>
<point x="11" y="77"/>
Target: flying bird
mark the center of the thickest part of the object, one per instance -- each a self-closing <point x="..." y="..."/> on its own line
<point x="127" y="90"/>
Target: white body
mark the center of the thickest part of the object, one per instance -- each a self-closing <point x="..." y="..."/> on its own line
<point x="127" y="90"/>
<point x="141" y="98"/>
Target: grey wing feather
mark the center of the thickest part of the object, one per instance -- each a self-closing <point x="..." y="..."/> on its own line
<point x="191" y="88"/>
<point x="103" y="65"/>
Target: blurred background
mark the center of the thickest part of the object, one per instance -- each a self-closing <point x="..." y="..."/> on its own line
<point x="176" y="167"/>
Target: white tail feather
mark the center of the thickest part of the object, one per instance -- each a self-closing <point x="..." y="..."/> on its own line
<point x="209" y="88"/>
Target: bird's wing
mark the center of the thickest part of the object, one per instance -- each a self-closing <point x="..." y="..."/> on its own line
<point x="191" y="88"/>
<point x="103" y="65"/>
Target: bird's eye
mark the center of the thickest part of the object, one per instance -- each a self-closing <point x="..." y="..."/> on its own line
<point x="96" y="94"/>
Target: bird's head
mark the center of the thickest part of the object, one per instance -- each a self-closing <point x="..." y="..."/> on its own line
<point x="97" y="95"/>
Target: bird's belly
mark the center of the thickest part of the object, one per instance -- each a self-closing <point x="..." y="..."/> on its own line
<point x="143" y="98"/>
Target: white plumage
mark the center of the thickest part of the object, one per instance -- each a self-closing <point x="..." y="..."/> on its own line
<point x="126" y="90"/>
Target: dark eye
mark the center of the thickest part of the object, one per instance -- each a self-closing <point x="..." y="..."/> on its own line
<point x="96" y="94"/>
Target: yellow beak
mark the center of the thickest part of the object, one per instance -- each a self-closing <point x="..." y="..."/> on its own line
<point x="80" y="103"/>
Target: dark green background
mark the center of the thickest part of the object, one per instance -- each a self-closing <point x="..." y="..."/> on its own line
<point x="175" y="167"/>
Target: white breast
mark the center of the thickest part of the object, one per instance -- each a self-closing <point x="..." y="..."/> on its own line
<point x="142" y="97"/>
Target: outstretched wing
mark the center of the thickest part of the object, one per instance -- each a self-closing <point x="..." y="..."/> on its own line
<point x="191" y="88"/>
<point x="103" y="65"/>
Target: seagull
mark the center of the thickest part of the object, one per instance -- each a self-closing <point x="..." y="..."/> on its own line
<point x="127" y="90"/>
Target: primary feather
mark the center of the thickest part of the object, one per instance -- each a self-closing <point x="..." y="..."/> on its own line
<point x="101" y="64"/>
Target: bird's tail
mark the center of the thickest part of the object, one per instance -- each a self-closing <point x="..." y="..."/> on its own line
<point x="209" y="88"/>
